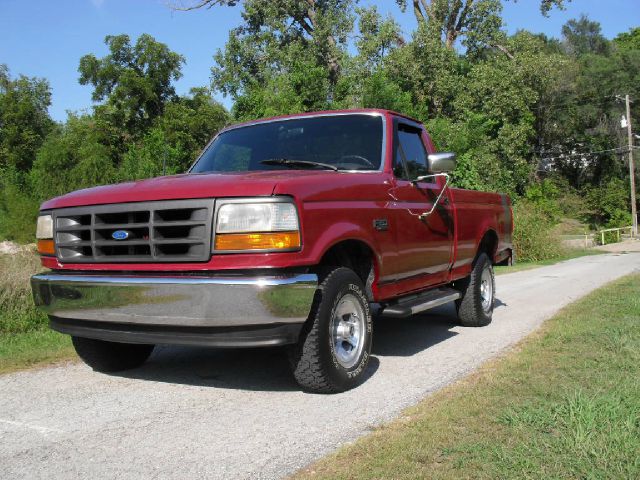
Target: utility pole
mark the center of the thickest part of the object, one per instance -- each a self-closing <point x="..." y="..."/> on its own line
<point x="632" y="172"/>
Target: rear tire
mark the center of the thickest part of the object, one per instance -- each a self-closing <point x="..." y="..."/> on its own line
<point x="475" y="307"/>
<point x="335" y="344"/>
<point x="105" y="356"/>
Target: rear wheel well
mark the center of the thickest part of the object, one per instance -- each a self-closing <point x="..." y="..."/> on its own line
<point x="488" y="245"/>
<point x="355" y="255"/>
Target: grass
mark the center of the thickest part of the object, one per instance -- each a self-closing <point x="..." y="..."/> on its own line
<point x="25" y="338"/>
<point x="567" y="255"/>
<point x="564" y="404"/>
<point x="34" y="348"/>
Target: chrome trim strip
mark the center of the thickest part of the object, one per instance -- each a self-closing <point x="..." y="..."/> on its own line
<point x="302" y="117"/>
<point x="180" y="301"/>
<point x="136" y="280"/>
<point x="434" y="303"/>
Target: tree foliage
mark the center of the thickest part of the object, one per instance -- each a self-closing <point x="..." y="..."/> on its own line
<point x="628" y="40"/>
<point x="139" y="128"/>
<point x="583" y="36"/>
<point x="24" y="119"/>
<point x="133" y="81"/>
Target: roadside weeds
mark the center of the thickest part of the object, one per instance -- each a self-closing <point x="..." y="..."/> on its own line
<point x="25" y="338"/>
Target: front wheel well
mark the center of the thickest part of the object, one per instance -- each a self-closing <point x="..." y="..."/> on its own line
<point x="355" y="255"/>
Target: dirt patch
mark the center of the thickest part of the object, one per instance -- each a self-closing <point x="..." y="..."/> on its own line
<point x="12" y="248"/>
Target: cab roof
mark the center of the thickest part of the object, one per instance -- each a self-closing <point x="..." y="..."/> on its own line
<point x="324" y="112"/>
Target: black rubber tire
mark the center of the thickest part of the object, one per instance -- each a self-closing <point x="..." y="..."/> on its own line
<point x="469" y="306"/>
<point x="313" y="360"/>
<point x="105" y="356"/>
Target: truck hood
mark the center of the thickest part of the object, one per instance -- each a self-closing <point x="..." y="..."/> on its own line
<point x="186" y="186"/>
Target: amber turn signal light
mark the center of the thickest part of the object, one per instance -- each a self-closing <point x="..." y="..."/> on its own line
<point x="258" y="241"/>
<point x="46" y="247"/>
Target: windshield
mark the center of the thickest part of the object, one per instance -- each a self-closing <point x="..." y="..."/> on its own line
<point x="343" y="142"/>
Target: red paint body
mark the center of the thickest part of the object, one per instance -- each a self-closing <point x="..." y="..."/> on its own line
<point x="411" y="255"/>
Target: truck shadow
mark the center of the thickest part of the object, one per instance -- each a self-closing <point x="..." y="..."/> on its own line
<point x="404" y="337"/>
<point x="267" y="369"/>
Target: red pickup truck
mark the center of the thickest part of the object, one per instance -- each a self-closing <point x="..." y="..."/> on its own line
<point x="285" y="231"/>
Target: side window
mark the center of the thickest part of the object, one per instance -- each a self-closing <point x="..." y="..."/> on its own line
<point x="398" y="165"/>
<point x="410" y="151"/>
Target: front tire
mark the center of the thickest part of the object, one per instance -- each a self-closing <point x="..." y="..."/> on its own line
<point x="105" y="356"/>
<point x="475" y="307"/>
<point x="335" y="344"/>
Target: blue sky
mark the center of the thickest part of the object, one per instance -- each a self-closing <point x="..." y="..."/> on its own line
<point x="46" y="38"/>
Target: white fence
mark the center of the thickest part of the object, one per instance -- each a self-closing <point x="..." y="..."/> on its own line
<point x="601" y="237"/>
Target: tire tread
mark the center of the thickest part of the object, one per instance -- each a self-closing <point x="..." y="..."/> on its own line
<point x="470" y="312"/>
<point x="306" y="358"/>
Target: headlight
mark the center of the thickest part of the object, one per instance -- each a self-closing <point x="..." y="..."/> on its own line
<point x="45" y="227"/>
<point x="44" y="235"/>
<point x="247" y="225"/>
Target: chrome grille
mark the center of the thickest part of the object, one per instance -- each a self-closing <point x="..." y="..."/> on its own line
<point x="164" y="231"/>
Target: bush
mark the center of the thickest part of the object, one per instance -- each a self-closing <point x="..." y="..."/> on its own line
<point x="152" y="157"/>
<point x="19" y="313"/>
<point x="18" y="211"/>
<point x="545" y="195"/>
<point x="533" y="236"/>
<point x="609" y="203"/>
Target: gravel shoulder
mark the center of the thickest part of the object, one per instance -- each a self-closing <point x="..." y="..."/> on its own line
<point x="627" y="246"/>
<point x="191" y="413"/>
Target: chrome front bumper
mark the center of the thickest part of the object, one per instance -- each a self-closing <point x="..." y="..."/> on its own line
<point x="164" y="307"/>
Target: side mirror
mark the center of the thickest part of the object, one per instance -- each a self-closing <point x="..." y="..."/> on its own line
<point x="441" y="162"/>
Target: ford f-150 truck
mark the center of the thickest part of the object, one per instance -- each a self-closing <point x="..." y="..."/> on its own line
<point x="285" y="231"/>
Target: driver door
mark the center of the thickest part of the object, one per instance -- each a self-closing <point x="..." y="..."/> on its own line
<point x="424" y="245"/>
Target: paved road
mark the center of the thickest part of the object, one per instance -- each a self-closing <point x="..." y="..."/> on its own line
<point x="193" y="413"/>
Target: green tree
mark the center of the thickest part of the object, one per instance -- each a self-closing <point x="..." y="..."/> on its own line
<point x="286" y="56"/>
<point x="609" y="203"/>
<point x="134" y="82"/>
<point x="477" y="22"/>
<point x="72" y="157"/>
<point x="628" y="40"/>
<point x="188" y="123"/>
<point x="24" y="119"/>
<point x="365" y="82"/>
<point x="504" y="92"/>
<point x="151" y="157"/>
<point x="322" y="24"/>
<point x="583" y="36"/>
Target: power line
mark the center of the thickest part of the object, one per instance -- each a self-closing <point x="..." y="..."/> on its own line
<point x="620" y="150"/>
<point x="585" y="100"/>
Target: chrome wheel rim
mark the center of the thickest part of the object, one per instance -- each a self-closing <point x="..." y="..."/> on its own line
<point x="348" y="331"/>
<point x="486" y="290"/>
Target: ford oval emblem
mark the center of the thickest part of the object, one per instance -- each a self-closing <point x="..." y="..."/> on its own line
<point x="120" y="235"/>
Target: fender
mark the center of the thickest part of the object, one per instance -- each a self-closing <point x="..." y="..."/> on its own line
<point x="340" y="232"/>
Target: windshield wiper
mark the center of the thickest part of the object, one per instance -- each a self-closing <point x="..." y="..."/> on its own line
<point x="298" y="163"/>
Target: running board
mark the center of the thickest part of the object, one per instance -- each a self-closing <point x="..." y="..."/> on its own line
<point x="419" y="303"/>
